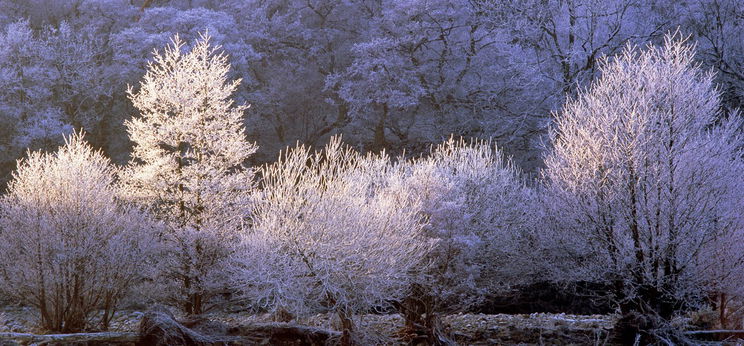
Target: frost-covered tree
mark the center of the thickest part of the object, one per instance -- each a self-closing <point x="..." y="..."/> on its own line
<point x="376" y="63"/>
<point x="132" y="45"/>
<point x="444" y="68"/>
<point x="299" y="44"/>
<point x="52" y="79"/>
<point x="479" y="209"/>
<point x="717" y="26"/>
<point x="68" y="247"/>
<point x="82" y="89"/>
<point x="29" y="115"/>
<point x="188" y="166"/>
<point x="332" y="231"/>
<point x="569" y="37"/>
<point x="644" y="183"/>
<point x="478" y="206"/>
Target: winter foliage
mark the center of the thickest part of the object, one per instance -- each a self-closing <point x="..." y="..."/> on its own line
<point x="644" y="181"/>
<point x="187" y="165"/>
<point x="68" y="246"/>
<point x="633" y="187"/>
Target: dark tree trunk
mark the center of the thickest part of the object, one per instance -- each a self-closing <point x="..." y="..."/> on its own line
<point x="379" y="142"/>
<point x="347" y="327"/>
<point x="422" y="324"/>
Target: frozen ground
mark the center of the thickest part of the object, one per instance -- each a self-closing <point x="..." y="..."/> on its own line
<point x="471" y="329"/>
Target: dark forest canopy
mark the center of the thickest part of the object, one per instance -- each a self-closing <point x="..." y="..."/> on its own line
<point x="386" y="74"/>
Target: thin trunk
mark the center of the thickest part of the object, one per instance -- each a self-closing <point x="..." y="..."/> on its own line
<point x="634" y="227"/>
<point x="347" y="326"/>
<point x="108" y="311"/>
<point x="197" y="302"/>
<point x="722" y="310"/>
<point x="379" y="141"/>
<point x="188" y="306"/>
<point x="145" y="5"/>
<point x="422" y="324"/>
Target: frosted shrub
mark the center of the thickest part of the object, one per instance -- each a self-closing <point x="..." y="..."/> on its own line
<point x="68" y="247"/>
<point x="332" y="231"/>
<point x="480" y="211"/>
<point x="480" y="207"/>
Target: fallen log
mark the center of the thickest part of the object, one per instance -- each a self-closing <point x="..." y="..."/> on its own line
<point x="161" y="329"/>
<point x="715" y="331"/>
<point x="107" y="337"/>
<point x="718" y="334"/>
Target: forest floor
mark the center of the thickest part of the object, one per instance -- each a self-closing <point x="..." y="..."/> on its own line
<point x="466" y="329"/>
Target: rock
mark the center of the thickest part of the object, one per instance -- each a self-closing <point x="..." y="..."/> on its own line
<point x="161" y="329"/>
<point x="631" y="326"/>
<point x="205" y="326"/>
<point x="282" y="315"/>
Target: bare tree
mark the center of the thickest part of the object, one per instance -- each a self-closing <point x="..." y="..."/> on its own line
<point x="644" y="182"/>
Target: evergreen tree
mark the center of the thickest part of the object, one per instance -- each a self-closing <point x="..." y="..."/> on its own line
<point x="188" y="165"/>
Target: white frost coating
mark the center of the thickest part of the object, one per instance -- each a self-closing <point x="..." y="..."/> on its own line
<point x="332" y="231"/>
<point x="67" y="246"/>
<point x="188" y="166"/>
<point x="644" y="182"/>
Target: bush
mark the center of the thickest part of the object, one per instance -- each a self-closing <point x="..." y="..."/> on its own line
<point x="67" y="246"/>
<point x="332" y="231"/>
<point x="478" y="208"/>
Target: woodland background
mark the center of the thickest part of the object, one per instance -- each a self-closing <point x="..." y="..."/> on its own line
<point x="313" y="68"/>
